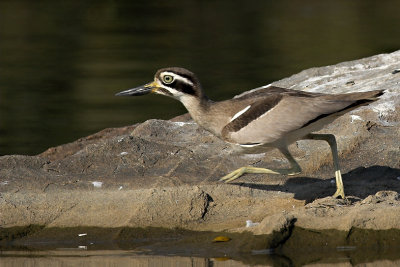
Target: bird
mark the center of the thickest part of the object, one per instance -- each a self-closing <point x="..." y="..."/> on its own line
<point x="259" y="119"/>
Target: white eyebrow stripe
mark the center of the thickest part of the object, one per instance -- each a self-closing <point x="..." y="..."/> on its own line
<point x="240" y="113"/>
<point x="177" y="77"/>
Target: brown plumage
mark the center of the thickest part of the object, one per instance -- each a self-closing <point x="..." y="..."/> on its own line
<point x="277" y="113"/>
<point x="268" y="116"/>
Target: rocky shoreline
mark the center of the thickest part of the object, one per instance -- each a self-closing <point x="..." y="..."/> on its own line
<point x="165" y="173"/>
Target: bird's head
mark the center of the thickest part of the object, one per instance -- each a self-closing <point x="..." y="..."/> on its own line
<point x="174" y="82"/>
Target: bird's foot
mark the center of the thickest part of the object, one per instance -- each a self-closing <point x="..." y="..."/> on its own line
<point x="339" y="185"/>
<point x="239" y="172"/>
<point x="339" y="193"/>
<point x="233" y="175"/>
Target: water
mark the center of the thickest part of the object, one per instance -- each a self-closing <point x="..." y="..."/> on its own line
<point x="92" y="246"/>
<point x="106" y="258"/>
<point x="61" y="62"/>
<point x="82" y="257"/>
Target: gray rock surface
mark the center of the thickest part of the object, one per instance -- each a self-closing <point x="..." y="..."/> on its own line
<point x="165" y="173"/>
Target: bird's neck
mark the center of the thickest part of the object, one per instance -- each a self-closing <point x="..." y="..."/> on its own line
<point x="199" y="109"/>
<point x="196" y="106"/>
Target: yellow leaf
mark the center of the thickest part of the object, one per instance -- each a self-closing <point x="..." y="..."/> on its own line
<point x="222" y="259"/>
<point x="221" y="239"/>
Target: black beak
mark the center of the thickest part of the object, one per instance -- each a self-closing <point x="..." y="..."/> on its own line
<point x="141" y="90"/>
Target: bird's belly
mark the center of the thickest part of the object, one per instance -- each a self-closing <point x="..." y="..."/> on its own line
<point x="298" y="134"/>
<point x="239" y="149"/>
<point x="248" y="143"/>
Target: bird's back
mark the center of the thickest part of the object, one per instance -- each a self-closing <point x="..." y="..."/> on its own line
<point x="277" y="113"/>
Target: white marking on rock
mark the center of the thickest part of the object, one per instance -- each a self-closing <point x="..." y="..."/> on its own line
<point x="266" y="86"/>
<point x="97" y="184"/>
<point x="179" y="123"/>
<point x="123" y="153"/>
<point x="182" y="123"/>
<point x="355" y="118"/>
<point x="240" y="113"/>
<point x="358" y="67"/>
<point x="249" y="223"/>
<point x="84" y="234"/>
<point x="384" y="108"/>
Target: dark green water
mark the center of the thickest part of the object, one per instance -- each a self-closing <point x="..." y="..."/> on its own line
<point x="35" y="245"/>
<point x="61" y="62"/>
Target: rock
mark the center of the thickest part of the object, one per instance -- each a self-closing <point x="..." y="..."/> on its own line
<point x="277" y="226"/>
<point x="165" y="173"/>
<point x="381" y="196"/>
<point x="377" y="212"/>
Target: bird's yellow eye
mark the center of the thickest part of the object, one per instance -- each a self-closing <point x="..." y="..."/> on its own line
<point x="168" y="79"/>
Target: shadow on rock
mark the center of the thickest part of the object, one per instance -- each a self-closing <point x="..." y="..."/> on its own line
<point x="360" y="183"/>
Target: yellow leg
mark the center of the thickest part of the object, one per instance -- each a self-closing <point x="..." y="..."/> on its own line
<point x="339" y="185"/>
<point x="295" y="169"/>
<point x="330" y="138"/>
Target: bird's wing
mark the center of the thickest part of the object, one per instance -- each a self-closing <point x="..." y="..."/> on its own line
<point x="272" y="90"/>
<point x="271" y="117"/>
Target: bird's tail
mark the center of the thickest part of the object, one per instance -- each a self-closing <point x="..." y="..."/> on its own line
<point x="355" y="100"/>
<point x="369" y="96"/>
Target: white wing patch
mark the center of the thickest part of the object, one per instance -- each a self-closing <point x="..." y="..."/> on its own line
<point x="240" y="113"/>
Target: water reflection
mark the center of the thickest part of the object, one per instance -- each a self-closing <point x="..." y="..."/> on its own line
<point x="106" y="258"/>
<point x="62" y="61"/>
<point x="64" y="257"/>
<point x="84" y="246"/>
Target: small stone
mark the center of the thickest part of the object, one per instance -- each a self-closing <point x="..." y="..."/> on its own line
<point x="396" y="71"/>
<point x="355" y="118"/>
<point x="249" y="223"/>
<point x="97" y="184"/>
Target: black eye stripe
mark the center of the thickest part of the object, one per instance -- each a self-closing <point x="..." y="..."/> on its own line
<point x="180" y="83"/>
<point x="184" y="87"/>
